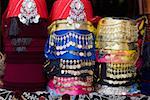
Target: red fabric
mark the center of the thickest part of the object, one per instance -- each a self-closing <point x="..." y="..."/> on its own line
<point x="15" y="5"/>
<point x="17" y="75"/>
<point x="24" y="70"/>
<point x="139" y="63"/>
<point x="61" y="8"/>
<point x="95" y="20"/>
<point x="24" y="73"/>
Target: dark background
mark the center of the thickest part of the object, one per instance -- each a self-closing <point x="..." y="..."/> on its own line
<point x="115" y="8"/>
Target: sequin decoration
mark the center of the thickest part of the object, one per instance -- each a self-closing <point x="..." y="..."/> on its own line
<point x="76" y="13"/>
<point x="28" y="12"/>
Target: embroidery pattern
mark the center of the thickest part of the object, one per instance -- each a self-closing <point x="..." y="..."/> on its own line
<point x="76" y="13"/>
<point x="28" y="12"/>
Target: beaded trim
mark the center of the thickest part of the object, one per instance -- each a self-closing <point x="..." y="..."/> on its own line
<point x="118" y="28"/>
<point x="85" y="89"/>
<point x="120" y="71"/>
<point x="77" y="73"/>
<point x="75" y="53"/>
<point x="70" y="79"/>
<point x="66" y="85"/>
<point x="120" y="76"/>
<point x="119" y="66"/>
<point x="114" y="90"/>
<point x="73" y="81"/>
<point x="118" y="37"/>
<point x="81" y="41"/>
<point x="115" y="82"/>
<point x="64" y="25"/>
<point x="75" y="64"/>
<point x="28" y="12"/>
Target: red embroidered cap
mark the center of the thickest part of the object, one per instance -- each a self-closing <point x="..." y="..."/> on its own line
<point x="74" y="9"/>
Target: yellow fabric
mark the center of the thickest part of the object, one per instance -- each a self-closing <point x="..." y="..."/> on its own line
<point x="64" y="25"/>
<point x="110" y="25"/>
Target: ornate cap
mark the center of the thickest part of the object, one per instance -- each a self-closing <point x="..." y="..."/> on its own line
<point x="72" y="10"/>
<point x="28" y="11"/>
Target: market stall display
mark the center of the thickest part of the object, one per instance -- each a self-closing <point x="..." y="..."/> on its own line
<point x="70" y="48"/>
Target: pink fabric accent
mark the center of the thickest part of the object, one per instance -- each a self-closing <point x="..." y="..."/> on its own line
<point x="115" y="59"/>
<point x="78" y="89"/>
<point x="95" y="20"/>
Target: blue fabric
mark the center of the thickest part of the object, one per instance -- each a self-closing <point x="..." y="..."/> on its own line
<point x="51" y="55"/>
<point x="63" y="32"/>
<point x="134" y="89"/>
<point x="56" y="96"/>
<point x="53" y="93"/>
<point x="49" y="50"/>
<point x="147" y="43"/>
